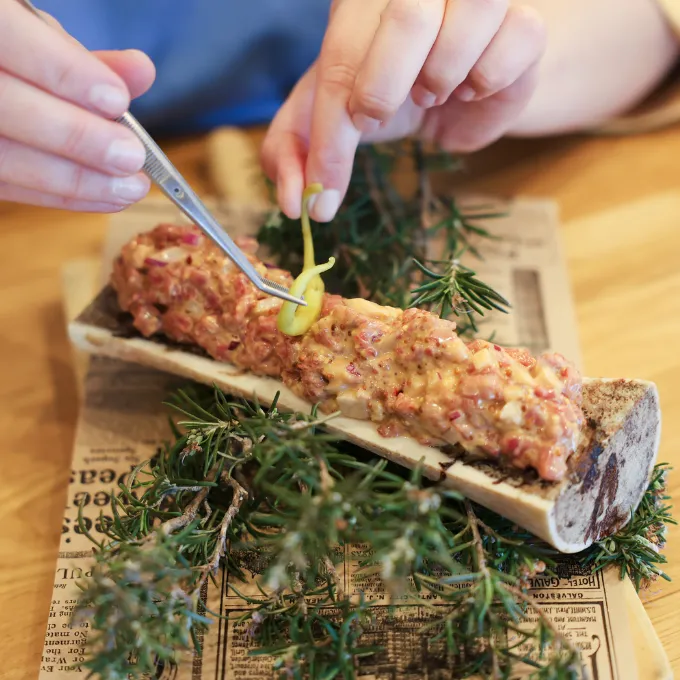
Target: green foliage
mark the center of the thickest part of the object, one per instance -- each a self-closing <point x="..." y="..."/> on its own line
<point x="279" y="486"/>
<point x="141" y="605"/>
<point x="313" y="642"/>
<point x="452" y="288"/>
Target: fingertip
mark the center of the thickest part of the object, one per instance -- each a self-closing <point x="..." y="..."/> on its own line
<point x="267" y="160"/>
<point x="111" y="100"/>
<point x="145" y="181"/>
<point x="142" y="57"/>
<point x="365" y="124"/>
<point x="466" y="93"/>
<point x="519" y="43"/>
<point x="331" y="167"/>
<point x="104" y="208"/>
<point x="288" y="205"/>
<point x="144" y="63"/>
<point x="423" y="97"/>
<point x="134" y="68"/>
<point x="324" y="206"/>
<point x="141" y="73"/>
<point x="283" y="157"/>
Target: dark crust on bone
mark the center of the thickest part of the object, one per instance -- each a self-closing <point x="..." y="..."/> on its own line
<point x="603" y="490"/>
<point x="591" y="483"/>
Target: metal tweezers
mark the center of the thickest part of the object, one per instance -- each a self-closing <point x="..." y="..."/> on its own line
<point x="163" y="173"/>
<point x="168" y="179"/>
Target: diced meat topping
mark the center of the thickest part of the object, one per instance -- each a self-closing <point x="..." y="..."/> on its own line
<point x="407" y="371"/>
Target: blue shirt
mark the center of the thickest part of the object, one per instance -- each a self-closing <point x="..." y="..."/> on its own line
<point x="219" y="62"/>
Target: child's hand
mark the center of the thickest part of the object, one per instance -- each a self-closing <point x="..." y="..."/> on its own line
<point x="57" y="148"/>
<point x="461" y="71"/>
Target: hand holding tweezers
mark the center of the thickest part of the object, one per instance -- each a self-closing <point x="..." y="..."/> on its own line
<point x="168" y="179"/>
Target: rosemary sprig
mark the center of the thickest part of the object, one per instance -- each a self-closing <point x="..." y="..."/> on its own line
<point x="452" y="288"/>
<point x="285" y="494"/>
<point x="142" y="606"/>
<point x="315" y="641"/>
<point x="279" y="487"/>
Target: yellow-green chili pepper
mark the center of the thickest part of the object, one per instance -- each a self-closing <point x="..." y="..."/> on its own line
<point x="293" y="319"/>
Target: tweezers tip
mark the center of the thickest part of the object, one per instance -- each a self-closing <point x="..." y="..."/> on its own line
<point x="284" y="292"/>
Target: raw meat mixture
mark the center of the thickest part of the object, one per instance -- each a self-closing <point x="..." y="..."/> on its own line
<point x="407" y="371"/>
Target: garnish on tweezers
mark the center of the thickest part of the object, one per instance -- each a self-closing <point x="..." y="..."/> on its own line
<point x="293" y="319"/>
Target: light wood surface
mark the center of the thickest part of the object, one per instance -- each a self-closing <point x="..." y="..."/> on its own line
<point x="620" y="205"/>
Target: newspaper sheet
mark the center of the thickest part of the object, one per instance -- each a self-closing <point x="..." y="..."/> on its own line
<point x="122" y="423"/>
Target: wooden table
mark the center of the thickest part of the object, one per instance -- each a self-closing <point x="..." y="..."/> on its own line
<point x="620" y="204"/>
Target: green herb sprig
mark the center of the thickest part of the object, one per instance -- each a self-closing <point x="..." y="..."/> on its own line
<point x="141" y="605"/>
<point x="281" y="491"/>
<point x="452" y="288"/>
<point x="279" y="488"/>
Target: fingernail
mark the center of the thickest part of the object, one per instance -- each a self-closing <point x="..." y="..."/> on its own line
<point x="323" y="206"/>
<point x="365" y="124"/>
<point x="110" y="100"/>
<point x="129" y="188"/>
<point x="465" y="93"/>
<point x="422" y="97"/>
<point x="126" y="155"/>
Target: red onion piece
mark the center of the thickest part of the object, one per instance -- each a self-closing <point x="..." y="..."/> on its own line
<point x="153" y="262"/>
<point x="191" y="238"/>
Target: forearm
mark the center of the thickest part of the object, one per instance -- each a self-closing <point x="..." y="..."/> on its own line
<point x="603" y="58"/>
